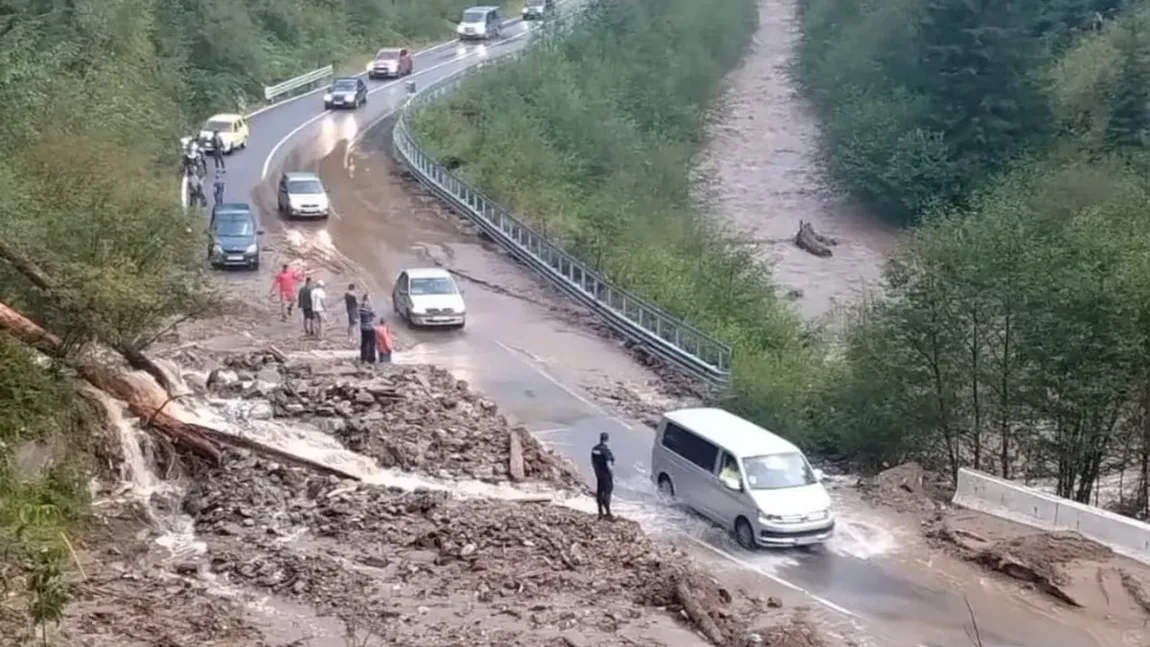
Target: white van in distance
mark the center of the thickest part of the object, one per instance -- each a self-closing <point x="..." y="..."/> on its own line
<point x="742" y="477"/>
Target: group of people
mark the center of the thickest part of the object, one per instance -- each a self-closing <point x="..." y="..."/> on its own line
<point x="376" y="345"/>
<point x="375" y="340"/>
<point x="195" y="168"/>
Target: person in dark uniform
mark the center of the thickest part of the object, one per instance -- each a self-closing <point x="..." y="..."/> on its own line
<point x="603" y="461"/>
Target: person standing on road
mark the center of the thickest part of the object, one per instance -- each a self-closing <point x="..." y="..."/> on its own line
<point x="351" y="304"/>
<point x="283" y="285"/>
<point x="603" y="461"/>
<point x="366" y="331"/>
<point x="218" y="149"/>
<point x="383" y="342"/>
<point x="218" y="186"/>
<point x="318" y="308"/>
<point x="305" y="306"/>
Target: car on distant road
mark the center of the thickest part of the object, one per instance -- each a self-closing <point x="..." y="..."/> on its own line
<point x="538" y="9"/>
<point x="345" y="93"/>
<point x="233" y="131"/>
<point x="235" y="236"/>
<point x="480" y="23"/>
<point x="429" y="297"/>
<point x="390" y="62"/>
<point x="301" y="195"/>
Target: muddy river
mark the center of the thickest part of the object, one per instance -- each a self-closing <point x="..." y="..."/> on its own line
<point x="763" y="177"/>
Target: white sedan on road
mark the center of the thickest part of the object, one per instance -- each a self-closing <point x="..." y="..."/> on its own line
<point x="429" y="297"/>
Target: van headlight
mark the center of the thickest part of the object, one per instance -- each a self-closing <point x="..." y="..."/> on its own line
<point x="252" y="249"/>
<point x="327" y="97"/>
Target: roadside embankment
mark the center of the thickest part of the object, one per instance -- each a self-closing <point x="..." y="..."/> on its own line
<point x="600" y="156"/>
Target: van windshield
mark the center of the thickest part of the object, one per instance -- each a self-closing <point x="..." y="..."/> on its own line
<point x="778" y="471"/>
<point x="474" y="16"/>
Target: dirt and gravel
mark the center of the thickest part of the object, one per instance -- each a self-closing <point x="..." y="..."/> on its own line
<point x="438" y="570"/>
<point x="417" y="419"/>
<point x="1062" y="565"/>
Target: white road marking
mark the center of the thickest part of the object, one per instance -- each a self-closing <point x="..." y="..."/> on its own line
<point x="295" y="131"/>
<point x="774" y="578"/>
<point x="364" y="73"/>
<point x="718" y="551"/>
<point x="518" y="355"/>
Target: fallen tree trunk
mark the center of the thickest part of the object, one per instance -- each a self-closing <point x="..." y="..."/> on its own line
<point x="38" y="277"/>
<point x="147" y="403"/>
<point x="698" y="614"/>
<point x="808" y="240"/>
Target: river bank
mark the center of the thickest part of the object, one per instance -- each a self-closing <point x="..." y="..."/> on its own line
<point x="760" y="176"/>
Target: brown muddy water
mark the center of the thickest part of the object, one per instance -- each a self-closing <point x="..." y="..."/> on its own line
<point x="762" y="177"/>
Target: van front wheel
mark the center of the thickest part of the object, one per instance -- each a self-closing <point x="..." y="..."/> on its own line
<point x="666" y="488"/>
<point x="745" y="534"/>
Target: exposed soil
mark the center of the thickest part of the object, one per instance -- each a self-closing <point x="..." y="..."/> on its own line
<point x="124" y="595"/>
<point x="435" y="570"/>
<point x="908" y="488"/>
<point x="414" y="418"/>
<point x="1064" y="565"/>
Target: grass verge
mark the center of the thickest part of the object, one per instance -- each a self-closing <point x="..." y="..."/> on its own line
<point x="592" y="138"/>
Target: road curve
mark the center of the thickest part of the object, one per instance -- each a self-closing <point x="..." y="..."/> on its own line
<point x="504" y="353"/>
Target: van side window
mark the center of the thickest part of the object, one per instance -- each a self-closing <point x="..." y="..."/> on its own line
<point x="686" y="444"/>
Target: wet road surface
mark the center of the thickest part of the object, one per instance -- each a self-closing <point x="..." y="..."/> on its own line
<point x="530" y="360"/>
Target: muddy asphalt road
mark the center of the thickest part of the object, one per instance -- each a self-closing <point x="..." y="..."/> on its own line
<point x="531" y="359"/>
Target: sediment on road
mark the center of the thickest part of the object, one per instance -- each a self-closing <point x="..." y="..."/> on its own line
<point x="417" y="419"/>
<point x="420" y="567"/>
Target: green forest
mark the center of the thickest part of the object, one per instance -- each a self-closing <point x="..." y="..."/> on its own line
<point x="1009" y="138"/>
<point x="95" y="95"/>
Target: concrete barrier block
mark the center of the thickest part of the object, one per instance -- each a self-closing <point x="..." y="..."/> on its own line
<point x="1020" y="504"/>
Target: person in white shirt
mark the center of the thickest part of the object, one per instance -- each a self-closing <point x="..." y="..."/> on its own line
<point x="318" y="307"/>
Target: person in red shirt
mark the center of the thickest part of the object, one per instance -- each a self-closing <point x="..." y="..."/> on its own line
<point x="383" y="341"/>
<point x="283" y="286"/>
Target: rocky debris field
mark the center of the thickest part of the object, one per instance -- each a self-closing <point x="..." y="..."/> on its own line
<point x="908" y="488"/>
<point x="414" y="418"/>
<point x="123" y="595"/>
<point x="1064" y="565"/>
<point x="436" y="570"/>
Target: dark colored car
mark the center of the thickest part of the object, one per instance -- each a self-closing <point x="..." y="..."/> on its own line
<point x="345" y="93"/>
<point x="235" y="237"/>
<point x="538" y="9"/>
<point x="390" y="62"/>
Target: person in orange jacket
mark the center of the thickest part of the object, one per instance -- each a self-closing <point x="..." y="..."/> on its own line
<point x="383" y="341"/>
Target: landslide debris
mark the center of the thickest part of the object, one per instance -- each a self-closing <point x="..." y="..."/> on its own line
<point x="413" y="418"/>
<point x="1063" y="565"/>
<point x="434" y="569"/>
<point x="907" y="488"/>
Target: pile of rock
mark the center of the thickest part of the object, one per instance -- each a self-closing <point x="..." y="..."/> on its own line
<point x="414" y="418"/>
<point x="511" y="555"/>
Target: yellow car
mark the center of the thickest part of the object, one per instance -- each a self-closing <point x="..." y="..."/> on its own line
<point x="233" y="131"/>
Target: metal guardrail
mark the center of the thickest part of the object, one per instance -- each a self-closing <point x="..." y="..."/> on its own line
<point x="272" y="92"/>
<point x="635" y="318"/>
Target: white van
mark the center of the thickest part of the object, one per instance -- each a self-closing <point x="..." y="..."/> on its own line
<point x="742" y="477"/>
<point x="480" y="23"/>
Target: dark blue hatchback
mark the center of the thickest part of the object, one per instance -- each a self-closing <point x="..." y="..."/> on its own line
<point x="235" y="236"/>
